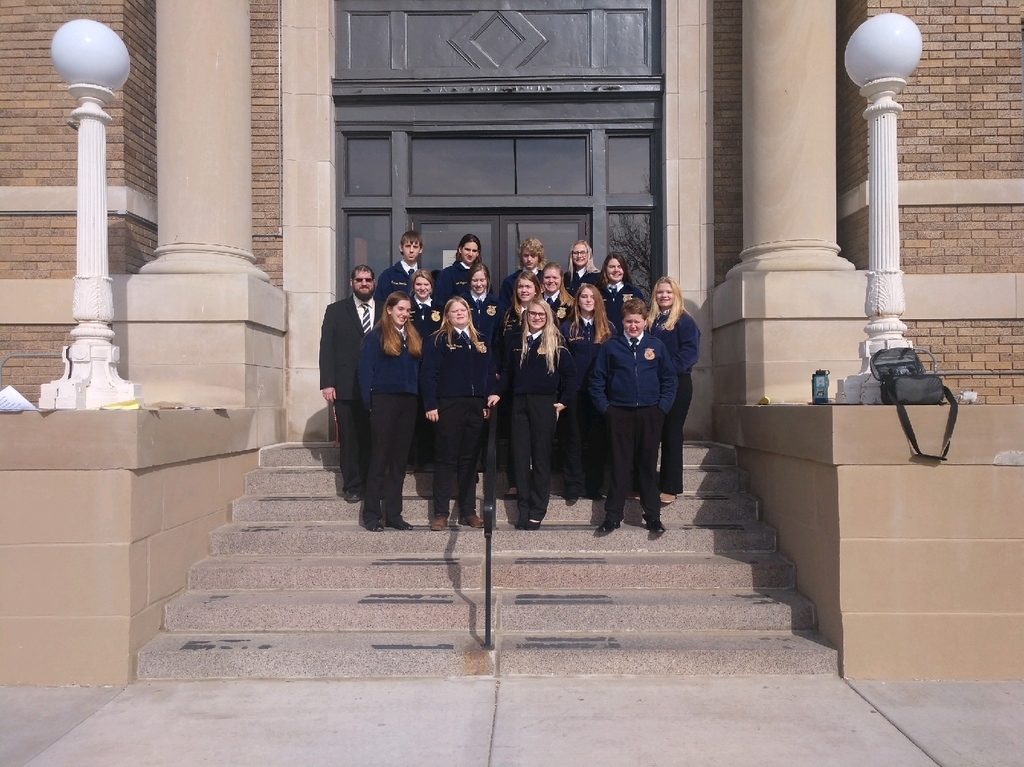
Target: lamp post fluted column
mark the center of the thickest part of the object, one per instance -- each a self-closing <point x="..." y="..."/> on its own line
<point x="90" y="377"/>
<point x="881" y="54"/>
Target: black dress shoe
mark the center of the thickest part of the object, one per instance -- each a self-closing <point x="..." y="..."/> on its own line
<point x="375" y="527"/>
<point x="596" y="495"/>
<point x="353" y="495"/>
<point x="520" y="525"/>
<point x="571" y="498"/>
<point x="654" y="526"/>
<point x="608" y="525"/>
<point x="400" y="524"/>
<point x="532" y="524"/>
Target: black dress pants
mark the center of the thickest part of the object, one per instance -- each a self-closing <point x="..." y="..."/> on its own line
<point x="533" y="429"/>
<point x="354" y="439"/>
<point x="392" y="420"/>
<point x="459" y="431"/>
<point x="633" y="437"/>
<point x="584" y="447"/>
<point x="671" y="479"/>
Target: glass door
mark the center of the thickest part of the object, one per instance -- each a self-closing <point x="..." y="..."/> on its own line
<point x="500" y="236"/>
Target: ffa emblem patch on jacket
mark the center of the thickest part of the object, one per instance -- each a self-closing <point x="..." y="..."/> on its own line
<point x="435" y="316"/>
<point x="627" y="297"/>
<point x="492" y="310"/>
<point x="560" y="313"/>
<point x="648" y="354"/>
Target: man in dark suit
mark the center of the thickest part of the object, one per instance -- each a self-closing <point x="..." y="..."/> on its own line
<point x="345" y="324"/>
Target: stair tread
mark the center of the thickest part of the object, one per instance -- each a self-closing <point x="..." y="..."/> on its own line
<point x="325" y="537"/>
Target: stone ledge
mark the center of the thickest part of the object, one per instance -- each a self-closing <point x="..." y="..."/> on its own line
<point x="870" y="434"/>
<point x="131" y="439"/>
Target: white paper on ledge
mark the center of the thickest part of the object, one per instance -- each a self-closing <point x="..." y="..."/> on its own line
<point x="11" y="401"/>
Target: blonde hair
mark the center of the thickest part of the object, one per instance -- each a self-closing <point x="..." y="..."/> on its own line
<point x="602" y="330"/>
<point x="563" y="294"/>
<point x="424" y="274"/>
<point x="675" y="312"/>
<point x="447" y="328"/>
<point x="390" y="338"/>
<point x="591" y="267"/>
<point x="534" y="246"/>
<point x="551" y="342"/>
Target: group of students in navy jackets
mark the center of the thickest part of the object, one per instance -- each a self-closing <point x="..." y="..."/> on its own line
<point x="575" y="354"/>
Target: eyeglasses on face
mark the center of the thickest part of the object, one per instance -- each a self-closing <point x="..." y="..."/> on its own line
<point x="362" y="279"/>
<point x="536" y="314"/>
<point x="579" y="252"/>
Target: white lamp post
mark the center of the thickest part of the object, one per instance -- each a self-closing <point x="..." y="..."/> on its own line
<point x="93" y="61"/>
<point x="882" y="53"/>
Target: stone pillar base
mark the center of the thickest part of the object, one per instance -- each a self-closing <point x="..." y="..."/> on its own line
<point x="791" y="256"/>
<point x="203" y="340"/>
<point x="90" y="379"/>
<point x="773" y="329"/>
<point x="194" y="258"/>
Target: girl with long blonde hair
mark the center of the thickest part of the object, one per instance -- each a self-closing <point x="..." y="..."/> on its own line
<point x="540" y="375"/>
<point x="457" y="378"/>
<point x="669" y="322"/>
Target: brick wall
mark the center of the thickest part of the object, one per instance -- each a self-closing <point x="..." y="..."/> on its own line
<point x="727" y="132"/>
<point x="962" y="107"/>
<point x="996" y="345"/>
<point x="968" y="239"/>
<point x="266" y="138"/>
<point x="851" y="128"/>
<point x="37" y="148"/>
<point x="27" y="375"/>
<point x="37" y="247"/>
<point x="138" y="29"/>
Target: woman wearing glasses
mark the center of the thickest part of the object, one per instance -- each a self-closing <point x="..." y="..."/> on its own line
<point x="581" y="269"/>
<point x="540" y="375"/>
<point x="525" y="288"/>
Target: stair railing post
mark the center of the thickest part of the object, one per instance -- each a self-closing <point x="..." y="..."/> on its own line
<point x="490" y="472"/>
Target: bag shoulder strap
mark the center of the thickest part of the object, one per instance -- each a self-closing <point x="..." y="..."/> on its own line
<point x="901" y="411"/>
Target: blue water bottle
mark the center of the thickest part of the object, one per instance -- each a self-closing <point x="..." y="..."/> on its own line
<point x="819" y="387"/>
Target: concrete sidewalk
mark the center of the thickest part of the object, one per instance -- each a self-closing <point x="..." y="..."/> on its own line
<point x="806" y="720"/>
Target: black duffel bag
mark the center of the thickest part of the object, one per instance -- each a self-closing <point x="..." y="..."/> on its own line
<point x="904" y="381"/>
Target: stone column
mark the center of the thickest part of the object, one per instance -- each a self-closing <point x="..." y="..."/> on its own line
<point x="204" y="147"/>
<point x="789" y="137"/>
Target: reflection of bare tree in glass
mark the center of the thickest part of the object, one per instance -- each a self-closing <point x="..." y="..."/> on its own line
<point x="630" y="235"/>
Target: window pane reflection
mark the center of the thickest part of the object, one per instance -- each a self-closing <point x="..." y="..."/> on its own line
<point x="551" y="166"/>
<point x="499" y="166"/>
<point x="369" y="242"/>
<point x="369" y="167"/>
<point x="441" y="240"/>
<point x="629" y="234"/>
<point x="629" y="165"/>
<point x="475" y="166"/>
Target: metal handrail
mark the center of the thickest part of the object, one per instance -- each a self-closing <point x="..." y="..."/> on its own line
<point x="490" y="475"/>
<point x="20" y="355"/>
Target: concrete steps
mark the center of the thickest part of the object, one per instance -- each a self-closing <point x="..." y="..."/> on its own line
<point x="517" y="611"/>
<point x="687" y="509"/>
<point x="295" y="588"/>
<point x="328" y="481"/>
<point x="340" y="538"/>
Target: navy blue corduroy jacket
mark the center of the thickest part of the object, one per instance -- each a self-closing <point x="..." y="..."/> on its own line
<point x="383" y="374"/>
<point x="623" y="379"/>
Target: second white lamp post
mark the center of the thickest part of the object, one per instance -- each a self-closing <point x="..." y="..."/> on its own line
<point x="93" y="60"/>
<point x="882" y="53"/>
